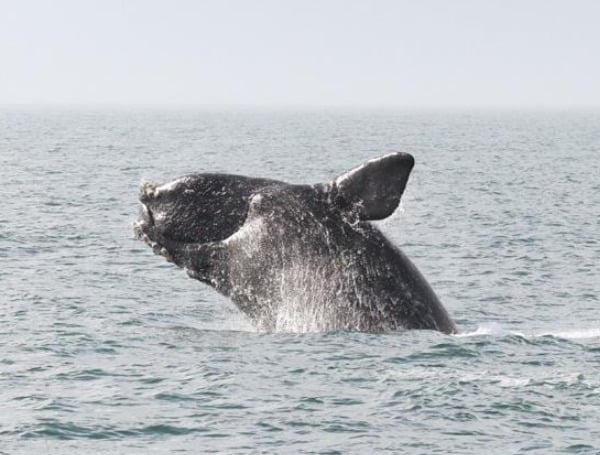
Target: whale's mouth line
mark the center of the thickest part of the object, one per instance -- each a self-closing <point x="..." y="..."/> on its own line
<point x="145" y="229"/>
<point x="146" y="215"/>
<point x="144" y="225"/>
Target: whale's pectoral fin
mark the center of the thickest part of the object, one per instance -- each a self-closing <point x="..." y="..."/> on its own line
<point x="374" y="189"/>
<point x="202" y="261"/>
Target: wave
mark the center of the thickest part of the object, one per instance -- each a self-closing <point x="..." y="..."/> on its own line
<point x="496" y="329"/>
<point x="575" y="334"/>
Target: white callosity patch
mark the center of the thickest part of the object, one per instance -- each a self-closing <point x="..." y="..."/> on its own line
<point x="148" y="189"/>
<point x="138" y="231"/>
<point x="170" y="186"/>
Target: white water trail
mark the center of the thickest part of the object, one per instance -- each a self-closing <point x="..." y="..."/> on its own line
<point x="496" y="329"/>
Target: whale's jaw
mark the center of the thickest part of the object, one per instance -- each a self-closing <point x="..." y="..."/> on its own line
<point x="145" y="228"/>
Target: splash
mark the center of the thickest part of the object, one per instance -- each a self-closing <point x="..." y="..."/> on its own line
<point x="496" y="329"/>
<point x="488" y="328"/>
<point x="575" y="334"/>
<point x="306" y="303"/>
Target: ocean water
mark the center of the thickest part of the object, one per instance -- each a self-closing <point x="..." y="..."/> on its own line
<point x="106" y="348"/>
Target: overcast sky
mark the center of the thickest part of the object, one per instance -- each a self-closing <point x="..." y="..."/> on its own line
<point x="421" y="53"/>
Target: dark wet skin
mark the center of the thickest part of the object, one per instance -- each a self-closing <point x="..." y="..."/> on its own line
<point x="266" y="243"/>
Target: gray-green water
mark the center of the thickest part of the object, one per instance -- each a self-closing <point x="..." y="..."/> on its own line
<point x="105" y="348"/>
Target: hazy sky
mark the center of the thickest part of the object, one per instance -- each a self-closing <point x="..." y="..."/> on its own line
<point x="419" y="53"/>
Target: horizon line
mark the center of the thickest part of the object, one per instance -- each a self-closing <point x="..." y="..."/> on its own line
<point x="292" y="106"/>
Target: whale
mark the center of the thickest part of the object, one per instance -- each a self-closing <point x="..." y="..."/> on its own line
<point x="296" y="257"/>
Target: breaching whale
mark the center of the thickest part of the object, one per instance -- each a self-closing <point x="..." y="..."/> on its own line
<point x="296" y="257"/>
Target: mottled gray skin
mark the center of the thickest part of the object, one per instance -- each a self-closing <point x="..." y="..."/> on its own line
<point x="296" y="257"/>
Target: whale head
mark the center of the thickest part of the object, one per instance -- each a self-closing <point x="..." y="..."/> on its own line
<point x="197" y="208"/>
<point x="203" y="208"/>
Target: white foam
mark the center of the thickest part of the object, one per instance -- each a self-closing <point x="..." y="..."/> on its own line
<point x="496" y="329"/>
<point x="575" y="334"/>
<point x="508" y="381"/>
<point x="488" y="328"/>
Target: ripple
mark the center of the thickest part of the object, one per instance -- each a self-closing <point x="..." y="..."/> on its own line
<point x="106" y="350"/>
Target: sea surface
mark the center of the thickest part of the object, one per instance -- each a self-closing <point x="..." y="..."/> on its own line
<point x="106" y="348"/>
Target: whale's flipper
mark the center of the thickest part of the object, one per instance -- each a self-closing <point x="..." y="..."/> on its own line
<point x="374" y="189"/>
